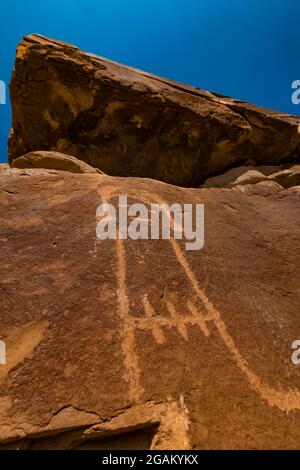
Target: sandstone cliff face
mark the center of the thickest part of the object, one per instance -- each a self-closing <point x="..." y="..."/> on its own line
<point x="130" y="123"/>
<point x="190" y="348"/>
<point x="132" y="344"/>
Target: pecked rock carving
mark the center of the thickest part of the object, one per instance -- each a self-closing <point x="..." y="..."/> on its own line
<point x="283" y="399"/>
<point x="124" y="344"/>
<point x="142" y="344"/>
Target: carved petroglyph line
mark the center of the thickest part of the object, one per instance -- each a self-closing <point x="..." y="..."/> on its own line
<point x="155" y="322"/>
<point x="180" y="325"/>
<point x="132" y="373"/>
<point x="128" y="341"/>
<point x="150" y="322"/>
<point x="201" y="319"/>
<point x="285" y="400"/>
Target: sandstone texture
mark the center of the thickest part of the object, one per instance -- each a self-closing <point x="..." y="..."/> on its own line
<point x="130" y="123"/>
<point x="54" y="161"/>
<point x="142" y="344"/>
<point x="139" y="344"/>
<point x="285" y="176"/>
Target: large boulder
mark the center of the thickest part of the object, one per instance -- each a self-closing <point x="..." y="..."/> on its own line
<point x="139" y="344"/>
<point x="130" y="123"/>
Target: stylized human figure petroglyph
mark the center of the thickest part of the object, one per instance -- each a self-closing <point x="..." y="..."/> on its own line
<point x="285" y="400"/>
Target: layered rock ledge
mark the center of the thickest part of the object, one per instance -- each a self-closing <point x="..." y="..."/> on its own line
<point x="130" y="123"/>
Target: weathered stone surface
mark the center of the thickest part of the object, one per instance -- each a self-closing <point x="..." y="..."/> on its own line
<point x="284" y="176"/>
<point x="288" y="177"/>
<point x="142" y="344"/>
<point x="53" y="161"/>
<point x="131" y="123"/>
<point x="180" y="349"/>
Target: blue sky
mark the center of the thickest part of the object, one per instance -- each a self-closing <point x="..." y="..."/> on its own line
<point x="247" y="49"/>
